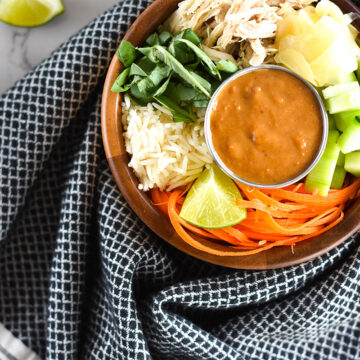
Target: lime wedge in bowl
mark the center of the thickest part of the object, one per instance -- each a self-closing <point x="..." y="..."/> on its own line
<point x="29" y="13"/>
<point x="211" y="201"/>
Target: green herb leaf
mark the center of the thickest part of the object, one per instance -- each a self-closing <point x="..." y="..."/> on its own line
<point x="137" y="70"/>
<point x="181" y="52"/>
<point x="163" y="55"/>
<point x="201" y="80"/>
<point x="186" y="93"/>
<point x="140" y="96"/>
<point x="227" y="66"/>
<point x="179" y="114"/>
<point x="120" y="81"/>
<point x="162" y="88"/>
<point x="190" y="35"/>
<point x="171" y="92"/>
<point x="193" y="66"/>
<point x="150" y="53"/>
<point x="214" y="85"/>
<point x="136" y="100"/>
<point x="126" y="53"/>
<point x="153" y="39"/>
<point x="201" y="103"/>
<point x="164" y="37"/>
<point x="146" y="87"/>
<point x="160" y="72"/>
<point x="200" y="96"/>
<point x="208" y="63"/>
<point x="146" y="65"/>
<point x="200" y="100"/>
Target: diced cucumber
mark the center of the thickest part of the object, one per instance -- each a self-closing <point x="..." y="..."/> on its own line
<point x="334" y="90"/>
<point x="352" y="163"/>
<point x="337" y="181"/>
<point x="357" y="72"/>
<point x="341" y="160"/>
<point x="349" y="140"/>
<point x="345" y="101"/>
<point x="332" y="139"/>
<point x="320" y="177"/>
<point x="346" y="118"/>
<point x="332" y="124"/>
<point x="347" y="78"/>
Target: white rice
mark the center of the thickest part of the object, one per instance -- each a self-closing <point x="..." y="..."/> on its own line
<point x="164" y="154"/>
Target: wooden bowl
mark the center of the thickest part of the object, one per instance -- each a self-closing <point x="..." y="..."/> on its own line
<point x="140" y="202"/>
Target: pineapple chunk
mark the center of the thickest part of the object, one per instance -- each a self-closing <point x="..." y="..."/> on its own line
<point x="326" y="7"/>
<point x="318" y="43"/>
<point x="333" y="64"/>
<point x="296" y="62"/>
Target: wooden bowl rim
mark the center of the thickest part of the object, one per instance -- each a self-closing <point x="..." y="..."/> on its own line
<point x="140" y="202"/>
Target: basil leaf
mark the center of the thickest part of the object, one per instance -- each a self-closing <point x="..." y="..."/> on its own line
<point x="146" y="87"/>
<point x="120" y="81"/>
<point x="227" y="66"/>
<point x="179" y="114"/>
<point x="164" y="37"/>
<point x="190" y="35"/>
<point x="201" y="103"/>
<point x="200" y="97"/>
<point x="181" y="118"/>
<point x="146" y="65"/>
<point x="193" y="66"/>
<point x="163" y="55"/>
<point x="208" y="63"/>
<point x="201" y="80"/>
<point x="171" y="92"/>
<point x="150" y="53"/>
<point x="214" y="85"/>
<point x="126" y="53"/>
<point x="153" y="39"/>
<point x="163" y="87"/>
<point x="160" y="72"/>
<point x="186" y="93"/>
<point x="137" y="70"/>
<point x="181" y="52"/>
<point x="136" y="100"/>
<point x="140" y="96"/>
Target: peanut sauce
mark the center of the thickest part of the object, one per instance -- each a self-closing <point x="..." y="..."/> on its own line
<point x="266" y="126"/>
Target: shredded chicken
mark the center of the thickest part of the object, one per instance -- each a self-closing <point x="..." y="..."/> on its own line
<point x="243" y="28"/>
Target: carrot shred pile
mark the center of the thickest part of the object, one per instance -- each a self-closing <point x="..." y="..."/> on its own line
<point x="275" y="217"/>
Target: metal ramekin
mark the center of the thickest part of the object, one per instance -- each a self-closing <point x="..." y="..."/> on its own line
<point x="216" y="157"/>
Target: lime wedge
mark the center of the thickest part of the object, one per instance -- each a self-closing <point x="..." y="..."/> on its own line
<point x="211" y="201"/>
<point x="29" y="12"/>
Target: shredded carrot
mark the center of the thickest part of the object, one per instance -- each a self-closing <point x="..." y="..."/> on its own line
<point x="197" y="230"/>
<point x="333" y="198"/>
<point x="275" y="217"/>
<point x="259" y="205"/>
<point x="174" y="218"/>
<point x="252" y="193"/>
<point x="222" y="235"/>
<point x="157" y="200"/>
<point x="161" y="199"/>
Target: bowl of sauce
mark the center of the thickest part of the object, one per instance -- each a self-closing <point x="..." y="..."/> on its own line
<point x="266" y="127"/>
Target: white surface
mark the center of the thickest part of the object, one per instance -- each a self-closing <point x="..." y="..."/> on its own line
<point x="23" y="48"/>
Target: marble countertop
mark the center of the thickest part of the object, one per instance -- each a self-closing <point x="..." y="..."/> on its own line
<point x="24" y="48"/>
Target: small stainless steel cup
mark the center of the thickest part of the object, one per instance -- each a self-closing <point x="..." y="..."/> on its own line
<point x="216" y="157"/>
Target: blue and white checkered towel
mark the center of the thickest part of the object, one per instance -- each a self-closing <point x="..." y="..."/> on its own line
<point x="81" y="277"/>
